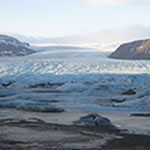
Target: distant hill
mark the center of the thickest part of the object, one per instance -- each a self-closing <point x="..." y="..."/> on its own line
<point x="133" y="50"/>
<point x="10" y="46"/>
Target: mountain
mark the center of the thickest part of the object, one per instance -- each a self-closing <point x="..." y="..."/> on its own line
<point x="133" y="50"/>
<point x="10" y="46"/>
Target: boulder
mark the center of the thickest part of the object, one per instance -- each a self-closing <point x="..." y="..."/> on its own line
<point x="94" y="119"/>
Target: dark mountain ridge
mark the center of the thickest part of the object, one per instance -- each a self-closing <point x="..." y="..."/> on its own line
<point x="10" y="46"/>
<point x="134" y="50"/>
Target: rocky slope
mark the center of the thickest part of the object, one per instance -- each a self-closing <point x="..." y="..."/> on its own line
<point x="133" y="50"/>
<point x="10" y="46"/>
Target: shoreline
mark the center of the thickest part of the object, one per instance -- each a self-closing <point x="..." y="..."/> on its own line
<point x="120" y="119"/>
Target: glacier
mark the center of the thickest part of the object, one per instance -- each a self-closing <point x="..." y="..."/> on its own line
<point x="73" y="80"/>
<point x="66" y="66"/>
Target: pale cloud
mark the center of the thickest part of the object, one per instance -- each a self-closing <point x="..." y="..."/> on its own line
<point x="120" y="35"/>
<point x="105" y="36"/>
<point x="112" y="2"/>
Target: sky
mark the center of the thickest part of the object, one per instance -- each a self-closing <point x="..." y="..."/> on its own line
<point x="95" y="21"/>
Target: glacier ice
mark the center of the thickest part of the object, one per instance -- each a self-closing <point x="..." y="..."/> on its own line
<point x="78" y="80"/>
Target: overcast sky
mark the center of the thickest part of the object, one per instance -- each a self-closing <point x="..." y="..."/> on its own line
<point x="91" y="20"/>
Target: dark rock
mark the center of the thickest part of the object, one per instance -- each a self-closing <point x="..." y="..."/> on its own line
<point x="43" y="109"/>
<point x="45" y="85"/>
<point x="129" y="92"/>
<point x="94" y="119"/>
<point x="54" y="101"/>
<point x="7" y="84"/>
<point x="133" y="50"/>
<point x="118" y="100"/>
<point x="140" y="114"/>
<point x="10" y="46"/>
